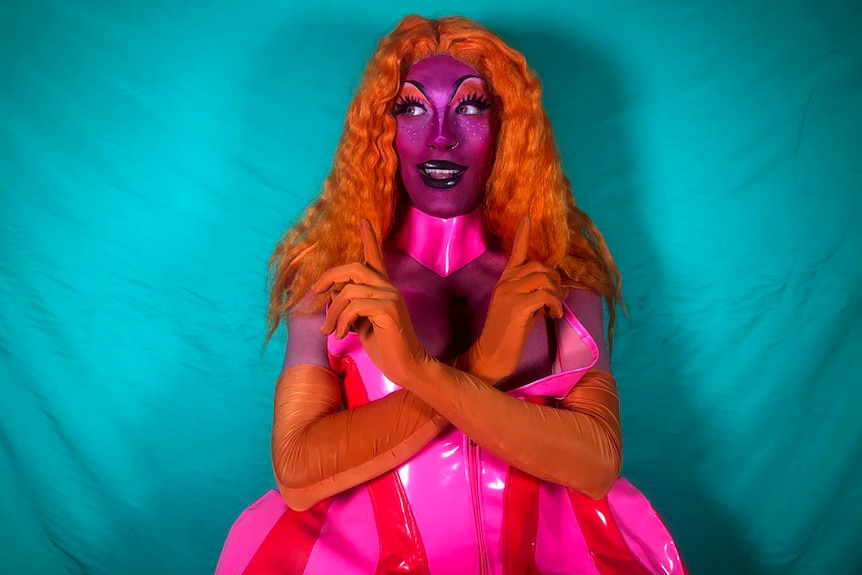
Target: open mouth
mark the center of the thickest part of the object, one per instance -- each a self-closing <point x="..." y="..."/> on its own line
<point x="440" y="173"/>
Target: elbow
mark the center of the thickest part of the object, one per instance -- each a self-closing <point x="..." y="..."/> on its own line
<point x="295" y="488"/>
<point x="298" y="499"/>
<point x="605" y="464"/>
<point x="288" y="468"/>
<point x="604" y="475"/>
<point x="598" y="490"/>
<point x="287" y="481"/>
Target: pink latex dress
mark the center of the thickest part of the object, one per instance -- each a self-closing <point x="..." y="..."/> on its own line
<point x="453" y="508"/>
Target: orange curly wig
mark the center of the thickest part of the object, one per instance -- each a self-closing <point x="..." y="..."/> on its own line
<point x="527" y="175"/>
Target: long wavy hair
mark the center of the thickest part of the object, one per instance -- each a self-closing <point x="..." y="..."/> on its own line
<point x="526" y="178"/>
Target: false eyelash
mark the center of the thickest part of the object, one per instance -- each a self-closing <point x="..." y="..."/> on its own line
<point x="405" y="102"/>
<point x="480" y="101"/>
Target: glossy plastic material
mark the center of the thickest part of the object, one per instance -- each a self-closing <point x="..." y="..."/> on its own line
<point x="454" y="508"/>
<point x="461" y="239"/>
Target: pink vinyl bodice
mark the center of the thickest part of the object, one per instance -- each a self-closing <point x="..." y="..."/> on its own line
<point x="448" y="510"/>
<point x="455" y="488"/>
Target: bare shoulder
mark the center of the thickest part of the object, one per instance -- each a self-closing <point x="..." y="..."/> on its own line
<point x="588" y="307"/>
<point x="305" y="342"/>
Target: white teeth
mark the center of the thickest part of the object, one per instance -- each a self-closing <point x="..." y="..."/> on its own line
<point x="441" y="174"/>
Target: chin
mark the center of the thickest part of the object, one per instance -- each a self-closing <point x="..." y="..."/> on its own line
<point x="443" y="209"/>
<point x="444" y="203"/>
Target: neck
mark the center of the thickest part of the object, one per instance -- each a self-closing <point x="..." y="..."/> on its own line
<point x="443" y="245"/>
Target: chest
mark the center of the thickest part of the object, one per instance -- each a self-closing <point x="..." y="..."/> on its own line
<point x="448" y="313"/>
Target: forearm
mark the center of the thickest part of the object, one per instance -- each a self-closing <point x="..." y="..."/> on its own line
<point x="477" y="363"/>
<point x="577" y="444"/>
<point x="319" y="450"/>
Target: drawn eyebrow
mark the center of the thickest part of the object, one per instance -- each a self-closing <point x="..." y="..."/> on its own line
<point x="457" y="84"/>
<point x="460" y="80"/>
<point x="419" y="86"/>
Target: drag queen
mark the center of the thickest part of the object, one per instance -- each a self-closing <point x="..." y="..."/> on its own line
<point x="446" y="404"/>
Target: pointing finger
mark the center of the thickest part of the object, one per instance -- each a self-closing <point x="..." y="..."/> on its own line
<point x="371" y="249"/>
<point x="521" y="245"/>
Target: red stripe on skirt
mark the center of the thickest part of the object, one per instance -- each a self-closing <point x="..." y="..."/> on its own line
<point x="520" y="523"/>
<point x="521" y="518"/>
<point x="401" y="548"/>
<point x="287" y="547"/>
<point x="606" y="544"/>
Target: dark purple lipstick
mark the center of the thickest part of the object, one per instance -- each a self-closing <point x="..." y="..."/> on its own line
<point x="440" y="174"/>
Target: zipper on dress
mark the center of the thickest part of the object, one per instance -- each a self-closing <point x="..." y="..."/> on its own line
<point x="475" y="486"/>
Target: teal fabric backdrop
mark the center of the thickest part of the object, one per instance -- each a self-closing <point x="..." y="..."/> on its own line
<point x="151" y="153"/>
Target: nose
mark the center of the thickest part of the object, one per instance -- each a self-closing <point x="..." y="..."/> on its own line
<point x="443" y="136"/>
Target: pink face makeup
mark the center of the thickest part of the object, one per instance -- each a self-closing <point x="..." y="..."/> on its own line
<point x="446" y="136"/>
